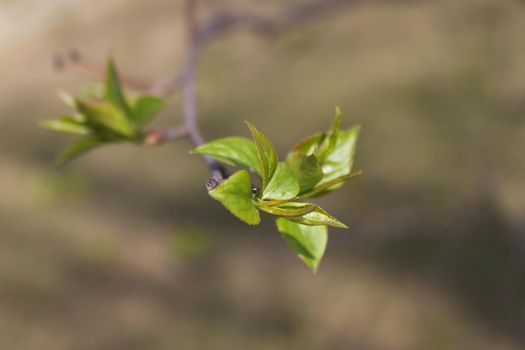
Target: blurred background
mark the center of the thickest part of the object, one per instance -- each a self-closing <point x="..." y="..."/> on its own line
<point x="123" y="249"/>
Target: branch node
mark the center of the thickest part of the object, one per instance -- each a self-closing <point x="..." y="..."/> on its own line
<point x="155" y="138"/>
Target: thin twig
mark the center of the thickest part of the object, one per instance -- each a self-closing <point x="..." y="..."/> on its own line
<point x="189" y="89"/>
<point x="197" y="37"/>
<point x="266" y="26"/>
<point x="93" y="70"/>
<point x="157" y="137"/>
<point x="217" y="25"/>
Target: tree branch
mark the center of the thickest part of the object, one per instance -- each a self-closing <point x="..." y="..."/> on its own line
<point x="197" y="36"/>
<point x="266" y="26"/>
<point x="217" y="25"/>
<point x="157" y="137"/>
<point x="93" y="70"/>
<point x="189" y="89"/>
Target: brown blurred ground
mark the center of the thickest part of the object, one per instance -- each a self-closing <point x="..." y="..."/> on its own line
<point x="124" y="250"/>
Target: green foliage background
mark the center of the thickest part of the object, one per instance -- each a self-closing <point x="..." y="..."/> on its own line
<point x="124" y="249"/>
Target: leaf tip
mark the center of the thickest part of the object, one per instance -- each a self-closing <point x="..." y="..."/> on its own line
<point x="250" y="125"/>
<point x="67" y="98"/>
<point x="357" y="128"/>
<point x="110" y="62"/>
<point x="255" y="222"/>
<point x="337" y="119"/>
<point x="337" y="223"/>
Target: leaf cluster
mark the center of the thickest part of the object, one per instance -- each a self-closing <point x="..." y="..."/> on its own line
<point x="106" y="117"/>
<point x="314" y="167"/>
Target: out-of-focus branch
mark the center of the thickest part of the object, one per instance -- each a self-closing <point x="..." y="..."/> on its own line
<point x="74" y="61"/>
<point x="189" y="89"/>
<point x="266" y="26"/>
<point x="157" y="137"/>
<point x="197" y="37"/>
<point x="218" y="24"/>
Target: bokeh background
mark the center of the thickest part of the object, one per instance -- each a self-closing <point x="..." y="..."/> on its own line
<point x="123" y="249"/>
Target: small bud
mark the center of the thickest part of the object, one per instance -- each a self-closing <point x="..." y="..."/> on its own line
<point x="153" y="138"/>
<point x="212" y="183"/>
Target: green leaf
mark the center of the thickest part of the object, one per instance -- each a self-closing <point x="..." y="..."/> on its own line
<point x="308" y="242"/>
<point x="106" y="115"/>
<point x="67" y="98"/>
<point x="76" y="149"/>
<point x="329" y="185"/>
<point x="236" y="151"/>
<point x="282" y="185"/>
<point x="317" y="217"/>
<point x="340" y="160"/>
<point x="112" y="89"/>
<point x="308" y="145"/>
<point x="287" y="209"/>
<point x="335" y="152"/>
<point x="235" y="193"/>
<point x="306" y="169"/>
<point x="67" y="124"/>
<point x="146" y="107"/>
<point x="266" y="153"/>
<point x="329" y="141"/>
<point x="94" y="91"/>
